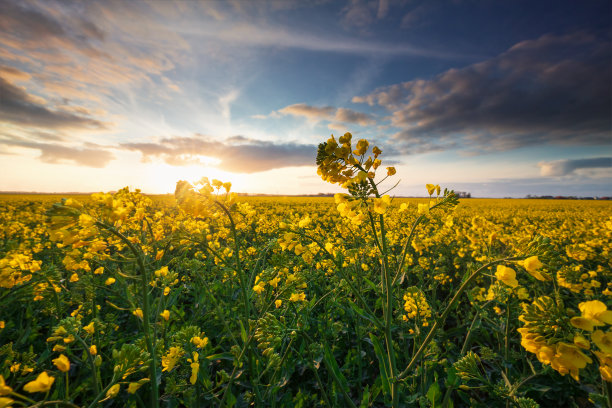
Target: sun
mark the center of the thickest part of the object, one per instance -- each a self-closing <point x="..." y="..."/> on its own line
<point x="162" y="177"/>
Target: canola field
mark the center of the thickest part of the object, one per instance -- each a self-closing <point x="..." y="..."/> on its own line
<point x="208" y="299"/>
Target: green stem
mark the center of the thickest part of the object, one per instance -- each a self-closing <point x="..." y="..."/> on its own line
<point x="101" y="393"/>
<point x="146" y="311"/>
<point x="448" y="309"/>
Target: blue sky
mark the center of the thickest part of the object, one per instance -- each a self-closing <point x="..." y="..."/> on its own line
<point x="492" y="97"/>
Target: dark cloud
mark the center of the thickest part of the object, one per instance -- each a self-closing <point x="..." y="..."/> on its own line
<point x="565" y="167"/>
<point x="19" y="107"/>
<point x="237" y="154"/>
<point x="551" y="90"/>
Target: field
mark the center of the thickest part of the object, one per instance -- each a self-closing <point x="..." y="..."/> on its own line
<point x="210" y="299"/>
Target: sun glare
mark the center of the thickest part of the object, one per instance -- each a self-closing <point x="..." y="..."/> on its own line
<point x="163" y="177"/>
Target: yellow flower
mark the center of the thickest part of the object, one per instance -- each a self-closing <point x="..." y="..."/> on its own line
<point x="138" y="313"/>
<point x="603" y="341"/>
<point x="362" y="147"/>
<point x="259" y="287"/>
<point x="274" y="282"/>
<point x="430" y="188"/>
<point x="596" y="311"/>
<point x="113" y="391"/>
<point x="391" y="171"/>
<point x="296" y="297"/>
<point x="42" y="383"/>
<point x="582" y="323"/>
<point x="170" y="359"/>
<point x="195" y="367"/>
<point x="99" y="271"/>
<point x="4" y="389"/>
<point x="569" y="359"/>
<point x="93" y="350"/>
<point x="381" y="204"/>
<point x="59" y="348"/>
<point x="166" y="291"/>
<point x="109" y="281"/>
<point x="89" y="328"/>
<point x="581" y="342"/>
<point x="5" y="402"/>
<point x="605" y="365"/>
<point x="2" y="324"/>
<point x="133" y="387"/>
<point x="199" y="342"/>
<point x="278" y="303"/>
<point x="423" y="208"/>
<point x="506" y="275"/>
<point x="165" y="314"/>
<point x="62" y="363"/>
<point x="532" y="266"/>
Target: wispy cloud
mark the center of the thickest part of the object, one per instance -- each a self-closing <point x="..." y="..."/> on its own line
<point x="237" y="154"/>
<point x="327" y="113"/>
<point x="21" y="108"/>
<point x="559" y="168"/>
<point x="532" y="94"/>
<point x="89" y="155"/>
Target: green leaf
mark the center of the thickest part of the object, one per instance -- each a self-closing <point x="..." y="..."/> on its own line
<point x="330" y="362"/>
<point x="382" y="364"/>
<point x="365" y="399"/>
<point x="434" y="394"/>
<point x="362" y="313"/>
<point x="243" y="334"/>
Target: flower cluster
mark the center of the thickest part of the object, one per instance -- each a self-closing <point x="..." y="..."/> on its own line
<point x="338" y="162"/>
<point x="548" y="335"/>
<point x="416" y="306"/>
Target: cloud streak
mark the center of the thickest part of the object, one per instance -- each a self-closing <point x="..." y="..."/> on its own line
<point x="560" y="168"/>
<point x="89" y="155"/>
<point x="328" y="113"/>
<point x="237" y="154"/>
<point x="21" y="108"/>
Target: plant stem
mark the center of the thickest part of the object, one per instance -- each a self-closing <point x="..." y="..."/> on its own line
<point x="146" y="311"/>
<point x="446" y="312"/>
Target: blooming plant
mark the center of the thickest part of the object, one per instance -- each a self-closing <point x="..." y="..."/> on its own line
<point x="208" y="298"/>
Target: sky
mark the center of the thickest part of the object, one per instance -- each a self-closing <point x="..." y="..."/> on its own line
<point x="495" y="98"/>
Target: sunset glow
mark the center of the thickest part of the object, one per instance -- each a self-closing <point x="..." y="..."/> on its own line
<point x="100" y="95"/>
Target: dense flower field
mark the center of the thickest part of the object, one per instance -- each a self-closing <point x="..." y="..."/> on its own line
<point x="210" y="299"/>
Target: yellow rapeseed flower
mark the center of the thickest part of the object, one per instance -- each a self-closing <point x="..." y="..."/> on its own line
<point x="506" y="275"/>
<point x="138" y="313"/>
<point x="89" y="328"/>
<point x="113" y="391"/>
<point x="62" y="363"/>
<point x="42" y="383"/>
<point x="296" y="297"/>
<point x="199" y="342"/>
<point x="171" y="358"/>
<point x="4" y="389"/>
<point x="93" y="350"/>
<point x="165" y="314"/>
<point x="532" y="265"/>
<point x="603" y="341"/>
<point x="5" y="402"/>
<point x="596" y="311"/>
<point x="109" y="281"/>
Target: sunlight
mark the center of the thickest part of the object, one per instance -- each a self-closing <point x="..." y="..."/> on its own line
<point x="162" y="177"/>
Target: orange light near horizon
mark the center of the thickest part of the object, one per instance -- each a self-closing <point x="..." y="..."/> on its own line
<point x="162" y="177"/>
